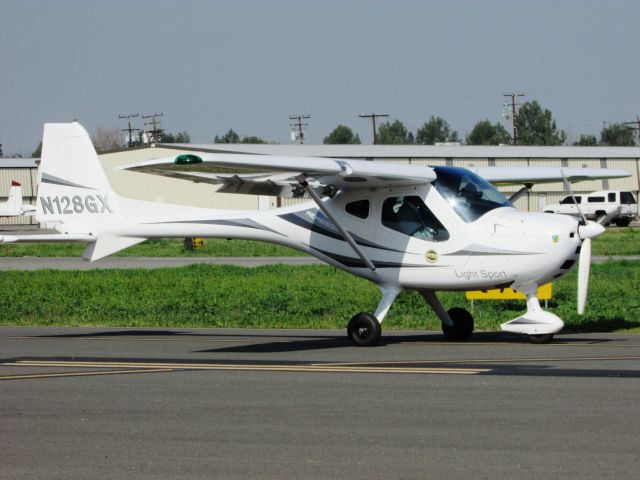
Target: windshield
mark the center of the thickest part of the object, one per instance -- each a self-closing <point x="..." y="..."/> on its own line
<point x="470" y="195"/>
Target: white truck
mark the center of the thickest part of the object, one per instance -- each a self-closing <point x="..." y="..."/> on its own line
<point x="596" y="205"/>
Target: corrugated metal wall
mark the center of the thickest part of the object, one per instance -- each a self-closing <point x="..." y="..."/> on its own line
<point x="28" y="178"/>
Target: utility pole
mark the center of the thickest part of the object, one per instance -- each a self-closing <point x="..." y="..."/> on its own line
<point x="129" y="128"/>
<point x="299" y="125"/>
<point x="635" y="125"/>
<point x="513" y="114"/>
<point x="373" y="117"/>
<point x="155" y="131"/>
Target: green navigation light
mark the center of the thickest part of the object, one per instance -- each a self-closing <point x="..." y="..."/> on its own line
<point x="186" y="159"/>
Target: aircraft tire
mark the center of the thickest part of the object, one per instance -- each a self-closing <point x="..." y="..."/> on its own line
<point x="364" y="330"/>
<point x="623" y="222"/>
<point x="540" y="339"/>
<point x="462" y="325"/>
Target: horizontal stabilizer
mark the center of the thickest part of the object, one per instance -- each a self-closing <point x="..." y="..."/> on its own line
<point x="108" y="244"/>
<point x="47" y="238"/>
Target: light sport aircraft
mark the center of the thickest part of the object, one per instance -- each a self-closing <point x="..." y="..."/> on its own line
<point x="14" y="207"/>
<point x="403" y="227"/>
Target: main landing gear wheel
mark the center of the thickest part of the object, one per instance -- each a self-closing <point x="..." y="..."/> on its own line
<point x="540" y="339"/>
<point x="364" y="330"/>
<point x="462" y="325"/>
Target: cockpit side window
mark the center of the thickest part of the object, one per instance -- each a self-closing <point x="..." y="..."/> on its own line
<point x="409" y="215"/>
<point x="359" y="208"/>
<point x="470" y="195"/>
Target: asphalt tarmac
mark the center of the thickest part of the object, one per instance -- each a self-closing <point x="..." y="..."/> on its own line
<point x="82" y="403"/>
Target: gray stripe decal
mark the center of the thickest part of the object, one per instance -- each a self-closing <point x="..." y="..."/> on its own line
<point x="524" y="321"/>
<point x="243" y="222"/>
<point x="46" y="178"/>
<point x="482" y="250"/>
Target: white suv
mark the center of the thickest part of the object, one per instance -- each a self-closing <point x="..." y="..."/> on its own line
<point x="596" y="205"/>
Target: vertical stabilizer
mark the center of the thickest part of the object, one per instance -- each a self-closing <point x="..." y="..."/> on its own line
<point x="73" y="188"/>
<point x="13" y="206"/>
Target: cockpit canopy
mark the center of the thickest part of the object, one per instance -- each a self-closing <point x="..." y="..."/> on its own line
<point x="470" y="195"/>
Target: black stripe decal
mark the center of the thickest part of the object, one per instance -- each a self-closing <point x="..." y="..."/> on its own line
<point x="314" y="227"/>
<point x="357" y="263"/>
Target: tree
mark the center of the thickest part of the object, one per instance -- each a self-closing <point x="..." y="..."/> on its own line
<point x="394" y="134"/>
<point x="486" y="133"/>
<point x="230" y="137"/>
<point x="180" y="137"/>
<point x="586" y="140"/>
<point x="436" y="130"/>
<point x="37" y="153"/>
<point x="536" y="126"/>
<point x="106" y="139"/>
<point x="342" y="135"/>
<point x="253" y="139"/>
<point x="617" y="134"/>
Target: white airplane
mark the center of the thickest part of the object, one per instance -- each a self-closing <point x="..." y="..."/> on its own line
<point x="14" y="207"/>
<point x="403" y="227"/>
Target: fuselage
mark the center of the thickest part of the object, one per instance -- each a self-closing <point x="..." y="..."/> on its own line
<point x="502" y="248"/>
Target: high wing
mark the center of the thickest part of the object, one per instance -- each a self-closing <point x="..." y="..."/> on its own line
<point x="279" y="175"/>
<point x="530" y="175"/>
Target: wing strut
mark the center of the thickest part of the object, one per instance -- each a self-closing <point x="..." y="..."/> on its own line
<point x="345" y="234"/>
<point x="521" y="192"/>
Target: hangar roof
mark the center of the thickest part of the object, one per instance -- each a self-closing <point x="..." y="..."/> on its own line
<point x="19" y="162"/>
<point x="415" y="151"/>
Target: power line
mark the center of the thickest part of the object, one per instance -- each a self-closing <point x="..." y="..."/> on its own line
<point x="635" y="125"/>
<point x="299" y="125"/>
<point x="155" y="131"/>
<point x="129" y="128"/>
<point x="373" y="117"/>
<point x="513" y="115"/>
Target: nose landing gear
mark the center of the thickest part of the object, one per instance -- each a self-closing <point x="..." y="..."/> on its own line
<point x="539" y="326"/>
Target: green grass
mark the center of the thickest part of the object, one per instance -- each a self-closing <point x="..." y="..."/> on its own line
<point x="615" y="241"/>
<point x="279" y="296"/>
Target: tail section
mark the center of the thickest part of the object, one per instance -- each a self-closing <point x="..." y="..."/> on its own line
<point x="74" y="194"/>
<point x="73" y="188"/>
<point x="13" y="206"/>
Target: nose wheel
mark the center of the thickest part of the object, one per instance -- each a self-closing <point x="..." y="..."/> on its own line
<point x="540" y="339"/>
<point x="462" y="327"/>
<point x="364" y="330"/>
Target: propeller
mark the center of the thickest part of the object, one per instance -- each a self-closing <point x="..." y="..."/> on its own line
<point x="586" y="231"/>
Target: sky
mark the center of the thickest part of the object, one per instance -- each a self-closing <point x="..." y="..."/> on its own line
<point x="249" y="65"/>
